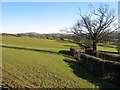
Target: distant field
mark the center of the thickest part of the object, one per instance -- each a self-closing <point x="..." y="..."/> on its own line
<point x="43" y="44"/>
<point x="33" y="63"/>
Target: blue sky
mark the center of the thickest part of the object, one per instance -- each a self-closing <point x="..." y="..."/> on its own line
<point x="42" y="17"/>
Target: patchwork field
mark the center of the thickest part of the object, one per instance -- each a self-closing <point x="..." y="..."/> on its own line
<point x="36" y="63"/>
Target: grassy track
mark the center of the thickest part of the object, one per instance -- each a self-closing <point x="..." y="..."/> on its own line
<point x="32" y="62"/>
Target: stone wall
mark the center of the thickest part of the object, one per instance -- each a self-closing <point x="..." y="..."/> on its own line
<point x="106" y="69"/>
<point x="108" y="56"/>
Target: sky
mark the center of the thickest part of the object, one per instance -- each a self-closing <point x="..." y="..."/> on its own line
<point x="43" y="17"/>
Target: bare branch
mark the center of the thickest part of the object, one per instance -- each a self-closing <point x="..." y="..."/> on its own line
<point x="96" y="25"/>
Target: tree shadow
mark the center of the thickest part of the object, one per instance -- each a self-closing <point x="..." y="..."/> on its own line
<point x="70" y="46"/>
<point x="38" y="50"/>
<point x="66" y="53"/>
<point x="63" y="41"/>
<point x="84" y="74"/>
<point x="109" y="52"/>
<point x="30" y="49"/>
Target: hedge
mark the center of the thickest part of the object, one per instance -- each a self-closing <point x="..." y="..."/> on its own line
<point x="108" y="56"/>
<point x="106" y="69"/>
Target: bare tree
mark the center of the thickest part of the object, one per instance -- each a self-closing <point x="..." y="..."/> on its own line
<point x="82" y="42"/>
<point x="97" y="25"/>
<point x="66" y="32"/>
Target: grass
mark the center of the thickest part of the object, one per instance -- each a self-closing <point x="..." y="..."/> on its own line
<point x="36" y="63"/>
<point x="106" y="49"/>
<point x="44" y="44"/>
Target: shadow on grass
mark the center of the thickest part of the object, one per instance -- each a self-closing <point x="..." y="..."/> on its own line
<point x="70" y="46"/>
<point x="37" y="50"/>
<point x="109" y="52"/>
<point x="82" y="73"/>
<point x="30" y="49"/>
<point x="64" y="41"/>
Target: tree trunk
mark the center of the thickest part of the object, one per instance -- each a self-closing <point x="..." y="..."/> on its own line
<point x="94" y="48"/>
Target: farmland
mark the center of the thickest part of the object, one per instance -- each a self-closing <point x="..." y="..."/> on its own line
<point x="36" y="63"/>
<point x="107" y="49"/>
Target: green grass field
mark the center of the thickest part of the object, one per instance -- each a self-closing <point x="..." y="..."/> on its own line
<point x="106" y="49"/>
<point x="36" y="63"/>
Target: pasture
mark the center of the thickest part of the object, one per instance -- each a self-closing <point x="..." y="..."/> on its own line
<point x="36" y="63"/>
<point x="102" y="48"/>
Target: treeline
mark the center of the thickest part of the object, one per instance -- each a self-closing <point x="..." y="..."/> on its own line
<point x="62" y="36"/>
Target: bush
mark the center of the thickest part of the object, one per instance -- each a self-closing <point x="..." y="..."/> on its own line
<point x="75" y="53"/>
<point x="88" y="51"/>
